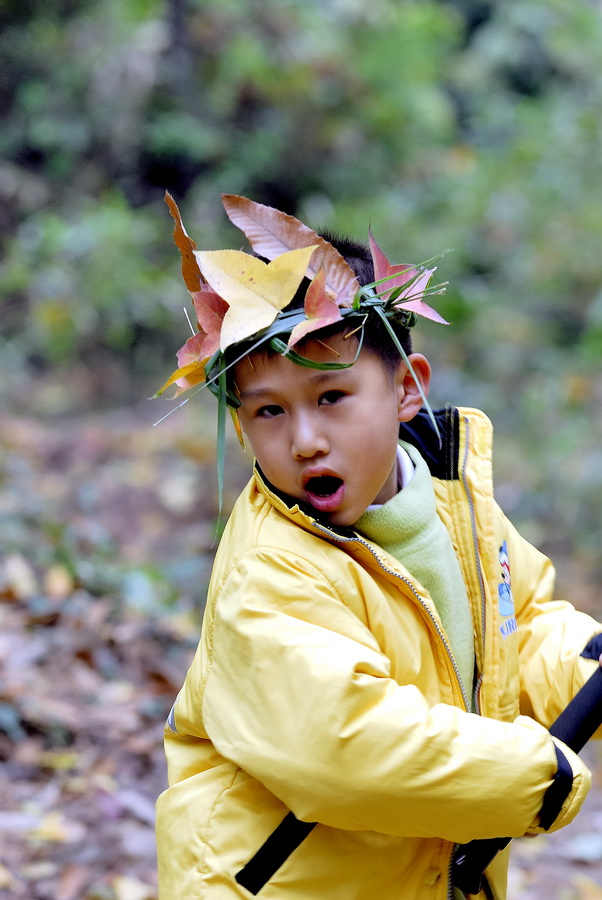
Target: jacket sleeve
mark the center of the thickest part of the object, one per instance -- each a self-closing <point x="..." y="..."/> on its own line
<point x="552" y="635"/>
<point x="299" y="695"/>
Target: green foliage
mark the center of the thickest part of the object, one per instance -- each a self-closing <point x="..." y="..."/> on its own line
<point x="462" y="124"/>
<point x="73" y="273"/>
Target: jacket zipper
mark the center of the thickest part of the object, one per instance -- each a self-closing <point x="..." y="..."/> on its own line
<point x="450" y="887"/>
<point x="408" y="583"/>
<point x="448" y="649"/>
<point x="442" y="637"/>
<point x="473" y="529"/>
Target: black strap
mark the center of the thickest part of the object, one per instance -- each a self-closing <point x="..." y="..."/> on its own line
<point x="593" y="648"/>
<point x="274" y="853"/>
<point x="558" y="791"/>
<point x="574" y="726"/>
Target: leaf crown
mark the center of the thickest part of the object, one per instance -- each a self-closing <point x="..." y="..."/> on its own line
<point x="242" y="298"/>
<point x="238" y="297"/>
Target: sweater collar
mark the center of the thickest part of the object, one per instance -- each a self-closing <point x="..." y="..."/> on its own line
<point x="410" y="511"/>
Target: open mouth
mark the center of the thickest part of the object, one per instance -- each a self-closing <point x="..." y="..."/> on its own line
<point x="323" y="485"/>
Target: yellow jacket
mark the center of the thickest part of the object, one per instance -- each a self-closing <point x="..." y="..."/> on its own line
<point x="323" y="690"/>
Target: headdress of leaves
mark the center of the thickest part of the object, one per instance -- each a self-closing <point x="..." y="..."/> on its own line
<point x="238" y="297"/>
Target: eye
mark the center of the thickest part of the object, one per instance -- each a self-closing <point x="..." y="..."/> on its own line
<point x="269" y="411"/>
<point x="330" y="397"/>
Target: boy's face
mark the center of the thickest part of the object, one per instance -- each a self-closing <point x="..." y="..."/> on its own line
<point x="328" y="437"/>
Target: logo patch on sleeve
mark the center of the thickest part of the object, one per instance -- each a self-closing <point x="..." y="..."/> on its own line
<point x="504" y="594"/>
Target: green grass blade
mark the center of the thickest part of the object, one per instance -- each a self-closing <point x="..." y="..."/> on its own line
<point x="222" y="405"/>
<point x="406" y="360"/>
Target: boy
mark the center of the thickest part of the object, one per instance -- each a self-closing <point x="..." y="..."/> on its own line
<point x="379" y="643"/>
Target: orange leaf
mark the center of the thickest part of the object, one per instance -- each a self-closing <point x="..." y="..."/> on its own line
<point x="320" y="309"/>
<point x="190" y="268"/>
<point x="189" y="372"/>
<point x="237" y="427"/>
<point x="271" y="233"/>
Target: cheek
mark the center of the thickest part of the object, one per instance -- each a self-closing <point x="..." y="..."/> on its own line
<point x="250" y="434"/>
<point x="265" y="446"/>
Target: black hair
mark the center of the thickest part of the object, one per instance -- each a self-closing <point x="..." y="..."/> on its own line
<point x="376" y="338"/>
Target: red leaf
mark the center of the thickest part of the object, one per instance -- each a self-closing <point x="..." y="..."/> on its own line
<point x="272" y="233"/>
<point x="192" y="358"/>
<point x="411" y="297"/>
<point x="210" y="310"/>
<point x="415" y="303"/>
<point x="194" y="350"/>
<point x="320" y="309"/>
<point x="190" y="268"/>
<point x="383" y="269"/>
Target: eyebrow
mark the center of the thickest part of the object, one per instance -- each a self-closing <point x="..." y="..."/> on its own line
<point x="317" y="379"/>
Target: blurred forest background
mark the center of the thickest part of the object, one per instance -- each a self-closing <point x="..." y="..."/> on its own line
<point x="463" y="124"/>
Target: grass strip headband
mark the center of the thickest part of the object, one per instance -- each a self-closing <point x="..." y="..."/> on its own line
<point x="239" y="298"/>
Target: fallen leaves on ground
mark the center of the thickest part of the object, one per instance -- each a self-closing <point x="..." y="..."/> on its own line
<point x="106" y="526"/>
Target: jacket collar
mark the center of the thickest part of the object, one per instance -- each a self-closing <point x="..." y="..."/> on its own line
<point x="440" y="453"/>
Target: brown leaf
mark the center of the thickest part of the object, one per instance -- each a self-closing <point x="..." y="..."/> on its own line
<point x="272" y="233"/>
<point x="73" y="880"/>
<point x="190" y="268"/>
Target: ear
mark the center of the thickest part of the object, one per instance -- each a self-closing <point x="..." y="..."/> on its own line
<point x="409" y="398"/>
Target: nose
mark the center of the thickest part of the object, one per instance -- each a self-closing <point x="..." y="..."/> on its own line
<point x="308" y="437"/>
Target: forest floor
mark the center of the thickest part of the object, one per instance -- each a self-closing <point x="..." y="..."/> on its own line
<point x="106" y="530"/>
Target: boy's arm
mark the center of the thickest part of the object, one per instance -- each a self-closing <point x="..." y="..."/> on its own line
<point x="552" y="635"/>
<point x="299" y="695"/>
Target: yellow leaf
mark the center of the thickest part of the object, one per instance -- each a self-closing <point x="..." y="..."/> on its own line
<point x="588" y="889"/>
<point x="254" y="290"/>
<point x="6" y="879"/>
<point x="52" y="828"/>
<point x="60" y="761"/>
<point x="20" y="577"/>
<point x="126" y="888"/>
<point x="58" y="582"/>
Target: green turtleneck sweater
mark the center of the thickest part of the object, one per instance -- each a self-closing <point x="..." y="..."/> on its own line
<point x="408" y="528"/>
